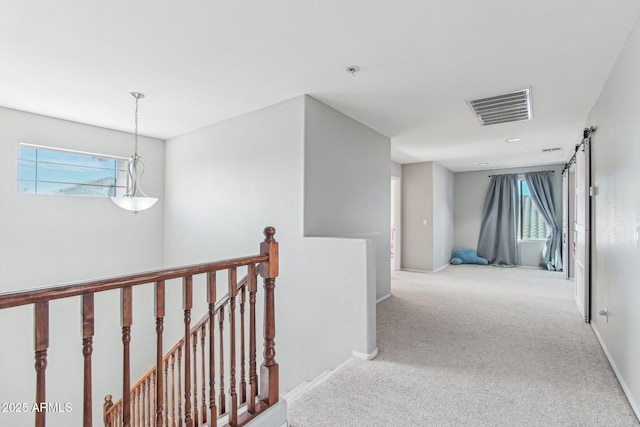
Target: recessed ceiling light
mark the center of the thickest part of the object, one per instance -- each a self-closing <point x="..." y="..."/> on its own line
<point x="512" y="139"/>
<point x="483" y="164"/>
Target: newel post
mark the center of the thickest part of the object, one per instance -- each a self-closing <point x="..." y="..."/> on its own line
<point x="269" y="388"/>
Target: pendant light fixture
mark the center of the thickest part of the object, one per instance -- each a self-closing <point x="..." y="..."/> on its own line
<point x="135" y="199"/>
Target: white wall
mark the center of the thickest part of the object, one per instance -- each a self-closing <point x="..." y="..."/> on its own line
<point x="396" y="169"/>
<point x="47" y="240"/>
<point x="443" y="215"/>
<point x="346" y="182"/>
<point x="616" y="217"/>
<point x="224" y="183"/>
<point x="470" y="191"/>
<point x="417" y="216"/>
<point x="427" y="216"/>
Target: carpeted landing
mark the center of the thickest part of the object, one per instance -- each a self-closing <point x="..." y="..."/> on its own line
<point x="473" y="346"/>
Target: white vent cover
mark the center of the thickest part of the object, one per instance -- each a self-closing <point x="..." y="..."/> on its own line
<point x="510" y="107"/>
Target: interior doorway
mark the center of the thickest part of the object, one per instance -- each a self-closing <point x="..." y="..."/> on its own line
<point x="395" y="223"/>
<point x="568" y="221"/>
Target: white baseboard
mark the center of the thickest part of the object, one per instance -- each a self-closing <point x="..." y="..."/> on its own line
<point x="365" y="356"/>
<point x="305" y="386"/>
<point x="625" y="388"/>
<point x="383" y="297"/>
<point x="415" y="270"/>
<point x="274" y="416"/>
<point x="441" y="268"/>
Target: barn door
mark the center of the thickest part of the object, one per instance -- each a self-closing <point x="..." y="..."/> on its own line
<point x="582" y="228"/>
<point x="566" y="223"/>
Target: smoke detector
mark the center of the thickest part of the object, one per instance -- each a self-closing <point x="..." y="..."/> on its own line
<point x="503" y="108"/>
<point x="353" y="69"/>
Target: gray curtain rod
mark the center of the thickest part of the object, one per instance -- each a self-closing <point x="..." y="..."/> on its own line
<point x="520" y="173"/>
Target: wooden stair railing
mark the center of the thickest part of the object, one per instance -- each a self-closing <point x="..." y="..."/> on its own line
<point x="152" y="400"/>
<point x="144" y="392"/>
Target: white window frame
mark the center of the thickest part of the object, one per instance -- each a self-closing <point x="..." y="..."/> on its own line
<point x="120" y="183"/>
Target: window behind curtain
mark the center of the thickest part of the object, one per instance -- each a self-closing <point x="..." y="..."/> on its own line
<point x="532" y="226"/>
<point x="46" y="170"/>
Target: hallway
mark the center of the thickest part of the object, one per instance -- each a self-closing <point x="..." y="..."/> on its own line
<point x="473" y="346"/>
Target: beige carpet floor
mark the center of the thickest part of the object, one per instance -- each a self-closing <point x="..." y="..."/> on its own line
<point x="473" y="346"/>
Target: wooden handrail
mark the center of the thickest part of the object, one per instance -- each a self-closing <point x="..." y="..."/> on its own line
<point x="49" y="293"/>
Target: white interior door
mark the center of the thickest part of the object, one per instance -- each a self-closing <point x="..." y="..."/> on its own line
<point x="581" y="242"/>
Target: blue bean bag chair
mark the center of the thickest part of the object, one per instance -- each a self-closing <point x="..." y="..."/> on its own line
<point x="467" y="256"/>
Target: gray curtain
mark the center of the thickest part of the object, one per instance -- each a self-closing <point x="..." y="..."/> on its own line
<point x="541" y="189"/>
<point x="499" y="228"/>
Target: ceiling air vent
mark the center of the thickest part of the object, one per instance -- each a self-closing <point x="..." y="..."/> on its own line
<point x="510" y="107"/>
<point x="551" y="150"/>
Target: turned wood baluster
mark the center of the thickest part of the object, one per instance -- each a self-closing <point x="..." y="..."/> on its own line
<point x="114" y="420"/>
<point x="152" y="393"/>
<point x="187" y="305"/>
<point x="142" y="396"/>
<point x="143" y="403"/>
<point x="221" y="397"/>
<point x="133" y="407"/>
<point x="87" y="350"/>
<point x="233" y="293"/>
<point x="173" y="389"/>
<point x="147" y="398"/>
<point x="253" y="378"/>
<point x="140" y="405"/>
<point x="159" y="313"/>
<point x="179" y="390"/>
<point x="41" y="344"/>
<point x="194" y="415"/>
<point x="144" y="400"/>
<point x="135" y="397"/>
<point x="137" y="417"/>
<point x="243" y="383"/>
<point x="269" y="367"/>
<point x="203" y="409"/>
<point x="150" y="400"/>
<point x="126" y="315"/>
<point x="211" y="299"/>
<point x="109" y="420"/>
<point x="165" y="421"/>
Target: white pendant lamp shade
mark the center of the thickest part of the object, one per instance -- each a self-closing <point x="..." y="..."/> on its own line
<point x="134" y="204"/>
<point x="135" y="199"/>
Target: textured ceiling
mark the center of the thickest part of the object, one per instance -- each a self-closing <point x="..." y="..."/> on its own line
<point x="202" y="61"/>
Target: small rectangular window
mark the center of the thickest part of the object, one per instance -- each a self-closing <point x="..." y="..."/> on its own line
<point x="532" y="226"/>
<point x="47" y="170"/>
